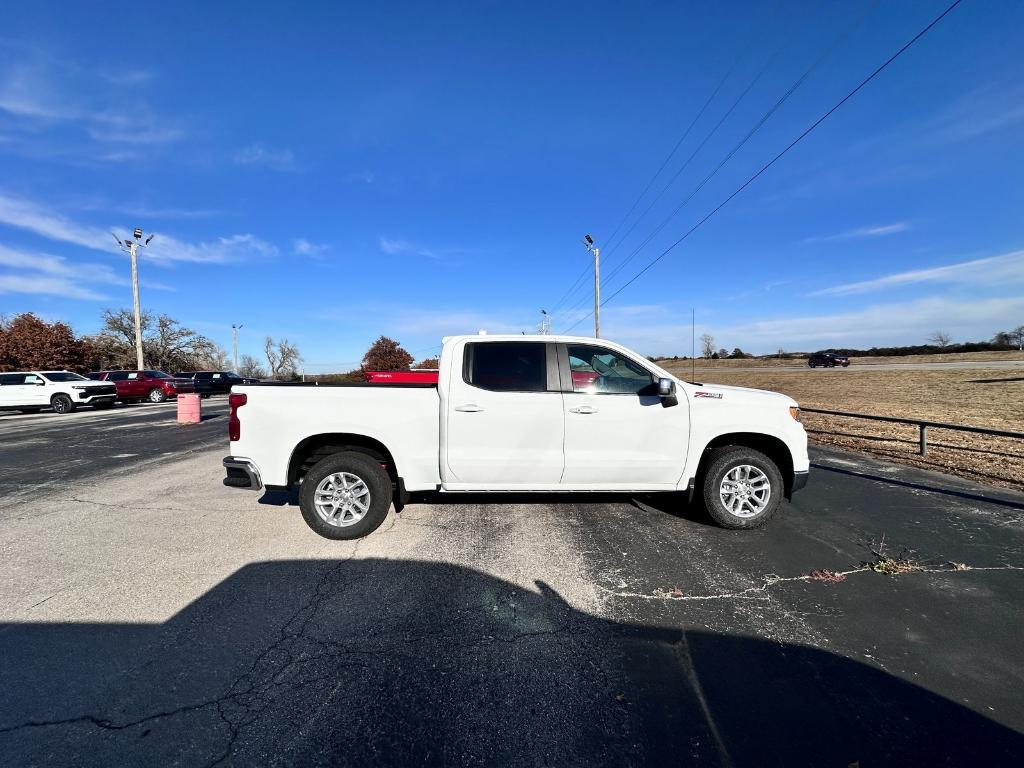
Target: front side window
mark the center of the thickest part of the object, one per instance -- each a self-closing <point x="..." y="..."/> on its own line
<point x="506" y="366"/>
<point x="63" y="376"/>
<point x="597" y="370"/>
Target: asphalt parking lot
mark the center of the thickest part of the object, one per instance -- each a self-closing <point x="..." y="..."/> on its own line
<point x="151" y="616"/>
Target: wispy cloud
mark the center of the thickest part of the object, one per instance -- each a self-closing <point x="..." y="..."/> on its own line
<point x="1006" y="269"/>
<point x="994" y="107"/>
<point x="41" y="91"/>
<point x="861" y="233"/>
<point x="880" y="324"/>
<point x="303" y="247"/>
<point x="29" y="216"/>
<point x="393" y="247"/>
<point x="266" y="157"/>
<point x="46" y="285"/>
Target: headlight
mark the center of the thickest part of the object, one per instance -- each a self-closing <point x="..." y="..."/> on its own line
<point x="794" y="411"/>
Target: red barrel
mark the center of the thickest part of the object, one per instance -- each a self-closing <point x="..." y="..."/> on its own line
<point x="189" y="409"/>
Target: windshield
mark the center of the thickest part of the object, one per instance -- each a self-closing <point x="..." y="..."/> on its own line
<point x="63" y="376"/>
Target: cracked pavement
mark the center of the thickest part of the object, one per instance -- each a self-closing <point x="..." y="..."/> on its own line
<point x="151" y="616"/>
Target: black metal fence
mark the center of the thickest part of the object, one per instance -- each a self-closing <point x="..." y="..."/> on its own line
<point x="922" y="425"/>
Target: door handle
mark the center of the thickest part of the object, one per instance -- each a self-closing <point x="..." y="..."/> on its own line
<point x="469" y="408"/>
<point x="583" y="409"/>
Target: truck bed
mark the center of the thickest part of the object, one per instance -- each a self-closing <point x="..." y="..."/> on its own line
<point x="278" y="417"/>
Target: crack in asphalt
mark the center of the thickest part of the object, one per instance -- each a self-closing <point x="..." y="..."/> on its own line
<point x="761" y="592"/>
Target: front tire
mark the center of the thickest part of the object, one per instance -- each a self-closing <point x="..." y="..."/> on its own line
<point x="62" y="404"/>
<point x="157" y="395"/>
<point x="345" y="496"/>
<point x="742" y="488"/>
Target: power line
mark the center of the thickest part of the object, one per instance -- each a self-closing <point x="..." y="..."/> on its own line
<point x="662" y="167"/>
<point x="750" y="134"/>
<point x="781" y="154"/>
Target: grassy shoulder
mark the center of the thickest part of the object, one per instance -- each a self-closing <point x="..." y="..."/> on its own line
<point x="992" y="397"/>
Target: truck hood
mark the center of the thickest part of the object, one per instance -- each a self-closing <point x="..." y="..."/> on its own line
<point x="744" y="395"/>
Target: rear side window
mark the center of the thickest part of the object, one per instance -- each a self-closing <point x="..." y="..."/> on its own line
<point x="10" y="379"/>
<point x="506" y="366"/>
<point x="117" y="376"/>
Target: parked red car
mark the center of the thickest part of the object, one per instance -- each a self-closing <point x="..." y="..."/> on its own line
<point x="155" y="386"/>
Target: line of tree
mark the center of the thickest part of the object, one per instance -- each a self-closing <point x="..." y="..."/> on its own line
<point x="29" y="342"/>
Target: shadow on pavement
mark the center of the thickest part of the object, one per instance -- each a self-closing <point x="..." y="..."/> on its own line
<point x="921" y="486"/>
<point x="392" y="662"/>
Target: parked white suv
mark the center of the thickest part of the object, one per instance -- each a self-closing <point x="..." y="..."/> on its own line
<point x="31" y="391"/>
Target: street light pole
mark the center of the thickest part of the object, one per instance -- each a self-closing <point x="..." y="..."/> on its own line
<point x="133" y="250"/>
<point x="589" y="242"/>
<point x="234" y="344"/>
<point x="132" y="246"/>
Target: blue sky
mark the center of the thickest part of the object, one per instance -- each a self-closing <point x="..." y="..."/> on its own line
<point x="331" y="172"/>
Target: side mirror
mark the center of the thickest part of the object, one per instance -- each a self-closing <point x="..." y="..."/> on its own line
<point x="667" y="393"/>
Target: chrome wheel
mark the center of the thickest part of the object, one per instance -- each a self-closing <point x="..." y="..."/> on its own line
<point x="342" y="499"/>
<point x="745" y="491"/>
<point x="157" y="396"/>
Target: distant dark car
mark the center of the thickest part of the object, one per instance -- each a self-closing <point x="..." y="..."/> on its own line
<point x="155" y="386"/>
<point x="208" y="383"/>
<point x="828" y="360"/>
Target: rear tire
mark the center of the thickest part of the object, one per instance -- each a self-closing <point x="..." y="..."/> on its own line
<point x="62" y="404"/>
<point x="733" y="471"/>
<point x="157" y="395"/>
<point x="349" y="467"/>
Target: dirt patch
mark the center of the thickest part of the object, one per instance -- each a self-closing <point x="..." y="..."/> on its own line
<point x="972" y="396"/>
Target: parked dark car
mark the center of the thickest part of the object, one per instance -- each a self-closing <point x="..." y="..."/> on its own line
<point x="208" y="383"/>
<point x="828" y="360"/>
<point x="135" y="386"/>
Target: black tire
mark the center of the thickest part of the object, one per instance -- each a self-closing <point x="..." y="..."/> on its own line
<point x="720" y="463"/>
<point x="156" y="395"/>
<point x="62" y="403"/>
<point x="812" y="365"/>
<point x="363" y="467"/>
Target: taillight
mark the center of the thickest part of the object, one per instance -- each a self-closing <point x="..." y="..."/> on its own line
<point x="236" y="400"/>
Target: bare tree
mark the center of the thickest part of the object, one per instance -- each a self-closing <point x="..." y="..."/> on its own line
<point x="1017" y="336"/>
<point x="282" y="356"/>
<point x="940" y="339"/>
<point x="707" y="345"/>
<point x="166" y="344"/>
<point x="250" y="367"/>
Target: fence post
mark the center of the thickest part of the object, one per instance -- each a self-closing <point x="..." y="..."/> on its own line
<point x="924" y="440"/>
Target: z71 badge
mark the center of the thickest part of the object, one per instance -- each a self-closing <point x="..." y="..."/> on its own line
<point x="713" y="395"/>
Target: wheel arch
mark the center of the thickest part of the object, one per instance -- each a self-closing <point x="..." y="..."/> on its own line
<point x="770" y="445"/>
<point x="316" y="447"/>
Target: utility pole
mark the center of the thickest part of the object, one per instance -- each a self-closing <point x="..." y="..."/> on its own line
<point x="132" y="247"/>
<point x="234" y="343"/>
<point x="589" y="242"/>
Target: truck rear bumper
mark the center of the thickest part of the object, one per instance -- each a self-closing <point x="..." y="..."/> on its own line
<point x="242" y="473"/>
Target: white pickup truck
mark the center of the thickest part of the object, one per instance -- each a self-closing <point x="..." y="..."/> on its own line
<point x="517" y="414"/>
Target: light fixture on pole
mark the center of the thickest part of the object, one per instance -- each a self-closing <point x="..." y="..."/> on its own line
<point x="588" y="241"/>
<point x="545" y="323"/>
<point x="131" y="246"/>
<point x="234" y="343"/>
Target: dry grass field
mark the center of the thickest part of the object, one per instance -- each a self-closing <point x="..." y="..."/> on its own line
<point x="975" y="396"/>
<point x="773" y="362"/>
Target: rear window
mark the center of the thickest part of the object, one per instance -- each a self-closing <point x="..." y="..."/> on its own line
<point x="506" y="366"/>
<point x="156" y="375"/>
